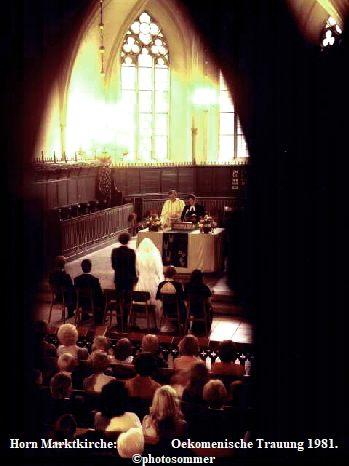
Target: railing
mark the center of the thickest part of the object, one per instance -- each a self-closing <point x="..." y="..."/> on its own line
<point x="92" y="158"/>
<point x="81" y="233"/>
<point x="59" y="158"/>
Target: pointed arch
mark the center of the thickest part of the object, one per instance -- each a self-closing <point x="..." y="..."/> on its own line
<point x="145" y="89"/>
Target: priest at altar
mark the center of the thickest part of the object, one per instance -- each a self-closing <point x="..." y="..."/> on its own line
<point x="172" y="208"/>
<point x="193" y="211"/>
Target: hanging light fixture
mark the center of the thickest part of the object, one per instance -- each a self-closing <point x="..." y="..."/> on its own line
<point x="101" y="35"/>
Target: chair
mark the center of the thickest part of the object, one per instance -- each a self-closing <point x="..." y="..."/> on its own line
<point x="65" y="212"/>
<point x="84" y="303"/>
<point x="123" y="371"/>
<point x="171" y="310"/>
<point x="163" y="375"/>
<point x="197" y="311"/>
<point x="75" y="210"/>
<point x="114" y="306"/>
<point x="92" y="206"/>
<point x="57" y="298"/>
<point x="84" y="208"/>
<point x="141" y="307"/>
<point x="87" y="403"/>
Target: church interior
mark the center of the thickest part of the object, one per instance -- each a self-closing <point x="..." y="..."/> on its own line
<point x="238" y="106"/>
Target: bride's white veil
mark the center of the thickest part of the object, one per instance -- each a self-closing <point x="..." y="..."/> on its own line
<point x="148" y="256"/>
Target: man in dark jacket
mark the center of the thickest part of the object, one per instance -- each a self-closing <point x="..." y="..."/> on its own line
<point x="87" y="281"/>
<point x="193" y="210"/>
<point x="123" y="261"/>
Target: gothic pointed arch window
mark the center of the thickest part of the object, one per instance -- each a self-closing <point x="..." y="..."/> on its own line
<point x="145" y="88"/>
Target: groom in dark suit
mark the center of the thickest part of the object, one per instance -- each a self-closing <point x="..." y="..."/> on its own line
<point x="193" y="210"/>
<point x="123" y="261"/>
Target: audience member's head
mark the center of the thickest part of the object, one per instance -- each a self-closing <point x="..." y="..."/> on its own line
<point x="215" y="394"/>
<point x="124" y="238"/>
<point x="144" y="364"/>
<point x="40" y="329"/>
<point x="101" y="343"/>
<point x="227" y="351"/>
<point x="82" y="354"/>
<point x="170" y="271"/>
<point x="150" y="343"/>
<point x="198" y="377"/>
<point x="61" y="386"/>
<point x="196" y="277"/>
<point x="123" y="349"/>
<point x="189" y="346"/>
<point x="98" y="362"/>
<point x="66" y="362"/>
<point x="236" y="393"/>
<point x="86" y="265"/>
<point x="60" y="262"/>
<point x="165" y="404"/>
<point x="130" y="443"/>
<point x="64" y="428"/>
<point x="113" y="399"/>
<point x="67" y="334"/>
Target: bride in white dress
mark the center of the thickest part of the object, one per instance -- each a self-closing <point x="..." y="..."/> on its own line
<point x="150" y="272"/>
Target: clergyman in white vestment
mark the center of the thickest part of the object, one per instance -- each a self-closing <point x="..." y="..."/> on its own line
<point x="173" y="207"/>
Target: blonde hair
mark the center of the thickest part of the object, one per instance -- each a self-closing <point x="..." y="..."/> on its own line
<point x="67" y="334"/>
<point x="98" y="362"/>
<point x="214" y="391"/>
<point x="165" y="404"/>
<point x="188" y="346"/>
<point x="130" y="443"/>
<point x="66" y="362"/>
<point x="101" y="343"/>
<point x="150" y="343"/>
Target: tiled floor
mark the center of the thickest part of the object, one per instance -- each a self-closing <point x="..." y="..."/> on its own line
<point x="228" y="321"/>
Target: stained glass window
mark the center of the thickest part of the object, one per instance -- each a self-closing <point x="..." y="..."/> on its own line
<point x="145" y="87"/>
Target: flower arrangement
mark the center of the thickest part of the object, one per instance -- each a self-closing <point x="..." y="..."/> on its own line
<point x="153" y="223"/>
<point x="207" y="224"/>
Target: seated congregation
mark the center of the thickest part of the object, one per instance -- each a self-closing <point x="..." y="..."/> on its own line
<point x="143" y="292"/>
<point x="113" y="388"/>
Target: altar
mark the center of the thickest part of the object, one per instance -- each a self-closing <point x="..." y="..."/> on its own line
<point x="190" y="250"/>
